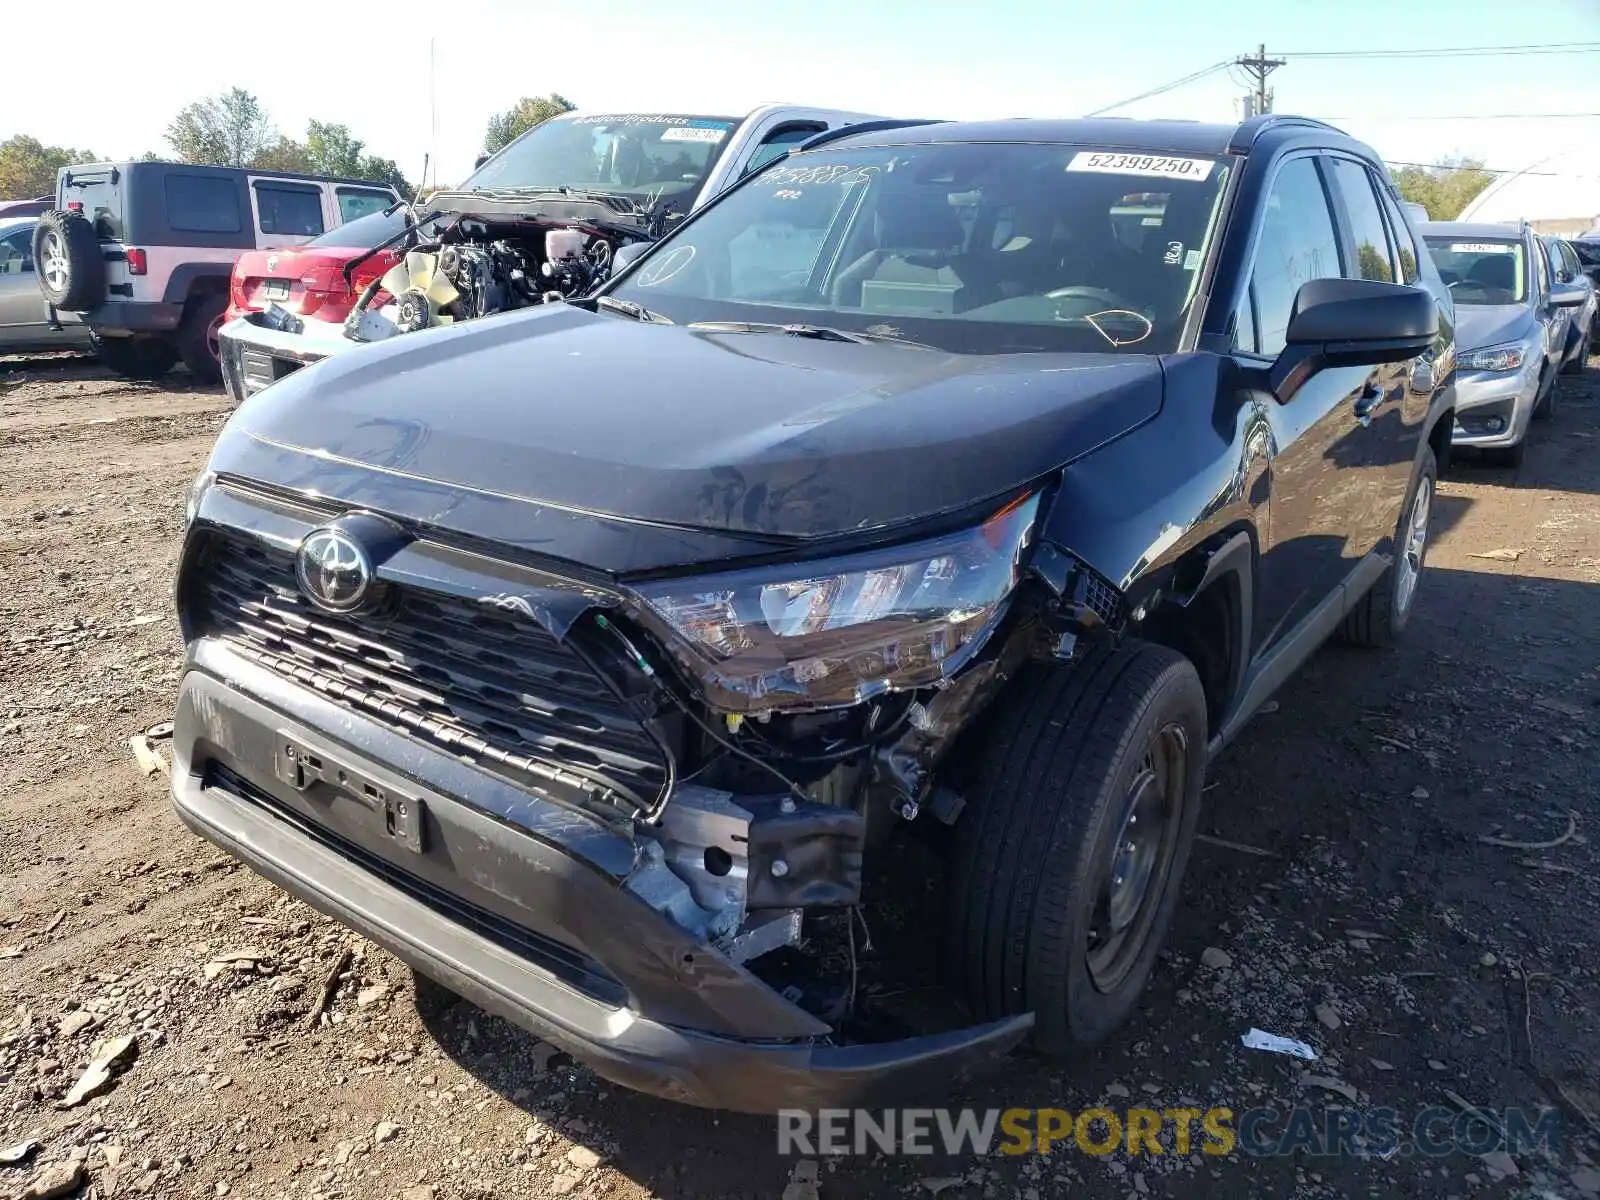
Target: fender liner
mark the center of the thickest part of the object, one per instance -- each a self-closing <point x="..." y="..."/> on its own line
<point x="1236" y="557"/>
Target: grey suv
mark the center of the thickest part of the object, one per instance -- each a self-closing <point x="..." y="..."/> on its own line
<point x="1512" y="323"/>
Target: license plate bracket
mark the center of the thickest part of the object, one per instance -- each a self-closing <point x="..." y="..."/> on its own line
<point x="401" y="817"/>
<point x="275" y="289"/>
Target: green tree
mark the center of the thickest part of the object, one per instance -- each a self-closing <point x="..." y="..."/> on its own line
<point x="285" y="154"/>
<point x="384" y="170"/>
<point x="229" y="130"/>
<point x="1445" y="189"/>
<point x="28" y="167"/>
<point x="522" y="116"/>
<point x="333" y="149"/>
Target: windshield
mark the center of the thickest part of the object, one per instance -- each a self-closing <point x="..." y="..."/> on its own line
<point x="974" y="247"/>
<point x="647" y="158"/>
<point x="1481" y="272"/>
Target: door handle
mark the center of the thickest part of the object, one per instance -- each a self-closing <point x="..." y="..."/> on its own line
<point x="1371" y="396"/>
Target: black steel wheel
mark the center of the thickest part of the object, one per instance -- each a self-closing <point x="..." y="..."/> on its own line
<point x="1079" y="824"/>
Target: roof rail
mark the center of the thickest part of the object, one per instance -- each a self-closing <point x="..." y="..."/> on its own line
<point x="1245" y="136"/>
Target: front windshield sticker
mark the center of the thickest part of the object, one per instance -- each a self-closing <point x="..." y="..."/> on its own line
<point x="632" y="119"/>
<point x="1482" y="248"/>
<point x="657" y="272"/>
<point x="1174" y="254"/>
<point x="693" y="133"/>
<point x="1196" y="169"/>
<point x="841" y="173"/>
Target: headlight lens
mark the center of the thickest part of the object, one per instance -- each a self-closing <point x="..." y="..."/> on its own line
<point x="1509" y="357"/>
<point x="837" y="632"/>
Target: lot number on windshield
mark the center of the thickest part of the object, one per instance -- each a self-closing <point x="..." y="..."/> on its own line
<point x="1160" y="165"/>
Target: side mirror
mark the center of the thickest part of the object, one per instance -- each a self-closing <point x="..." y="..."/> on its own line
<point x="627" y="254"/>
<point x="479" y="161"/>
<point x="1569" y="295"/>
<point x="1352" y="323"/>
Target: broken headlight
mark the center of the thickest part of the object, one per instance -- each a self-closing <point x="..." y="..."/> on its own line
<point x="833" y="633"/>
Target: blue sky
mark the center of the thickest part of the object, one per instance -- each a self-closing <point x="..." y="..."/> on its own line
<point x="368" y="65"/>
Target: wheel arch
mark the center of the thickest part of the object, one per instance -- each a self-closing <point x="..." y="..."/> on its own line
<point x="1207" y="615"/>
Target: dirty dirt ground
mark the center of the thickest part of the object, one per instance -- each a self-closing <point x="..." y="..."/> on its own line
<point x="1347" y="886"/>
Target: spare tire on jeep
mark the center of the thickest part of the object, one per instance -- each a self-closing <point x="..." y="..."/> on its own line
<point x="72" y="273"/>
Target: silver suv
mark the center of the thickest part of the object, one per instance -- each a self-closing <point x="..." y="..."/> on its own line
<point x="1512" y="323"/>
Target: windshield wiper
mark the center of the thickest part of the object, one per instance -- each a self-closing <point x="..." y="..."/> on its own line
<point x="629" y="308"/>
<point x="823" y="333"/>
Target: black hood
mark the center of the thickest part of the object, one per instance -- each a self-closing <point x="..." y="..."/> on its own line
<point x="759" y="436"/>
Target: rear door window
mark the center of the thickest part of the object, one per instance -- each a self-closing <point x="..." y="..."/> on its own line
<point x="1370" y="241"/>
<point x="360" y="202"/>
<point x="293" y="209"/>
<point x="1405" y="243"/>
<point x="203" y="204"/>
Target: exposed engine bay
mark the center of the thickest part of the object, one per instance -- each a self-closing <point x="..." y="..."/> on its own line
<point x="457" y="266"/>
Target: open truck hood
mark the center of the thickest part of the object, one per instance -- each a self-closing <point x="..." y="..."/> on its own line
<point x="762" y="437"/>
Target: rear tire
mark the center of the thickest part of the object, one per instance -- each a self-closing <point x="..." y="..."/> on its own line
<point x="67" y="258"/>
<point x="1381" y="616"/>
<point x="1038" y="923"/>
<point x="197" y="336"/>
<point x="137" y="358"/>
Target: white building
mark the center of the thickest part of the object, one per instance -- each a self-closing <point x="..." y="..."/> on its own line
<point x="1560" y="194"/>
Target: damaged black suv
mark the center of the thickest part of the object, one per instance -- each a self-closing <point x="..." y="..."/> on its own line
<point x="864" y="576"/>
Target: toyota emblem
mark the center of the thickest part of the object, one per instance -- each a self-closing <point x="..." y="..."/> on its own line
<point x="272" y="262"/>
<point x="334" y="570"/>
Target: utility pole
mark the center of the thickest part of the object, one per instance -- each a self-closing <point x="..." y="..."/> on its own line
<point x="1258" y="68"/>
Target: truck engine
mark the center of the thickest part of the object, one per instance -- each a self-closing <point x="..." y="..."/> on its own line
<point x="469" y="266"/>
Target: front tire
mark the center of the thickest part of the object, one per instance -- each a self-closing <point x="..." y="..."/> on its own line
<point x="1381" y="616"/>
<point x="1062" y="898"/>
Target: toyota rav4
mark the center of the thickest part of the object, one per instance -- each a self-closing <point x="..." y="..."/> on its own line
<point x="871" y="567"/>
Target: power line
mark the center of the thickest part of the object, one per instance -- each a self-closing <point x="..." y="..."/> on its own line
<point x="1454" y="51"/>
<point x="1397" y="162"/>
<point x="1560" y="116"/>
<point x="1165" y="87"/>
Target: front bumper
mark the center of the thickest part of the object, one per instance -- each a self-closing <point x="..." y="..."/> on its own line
<point x="255" y="356"/>
<point x="515" y="903"/>
<point x="1483" y="397"/>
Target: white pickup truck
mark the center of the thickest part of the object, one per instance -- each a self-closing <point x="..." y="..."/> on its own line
<point x="541" y="219"/>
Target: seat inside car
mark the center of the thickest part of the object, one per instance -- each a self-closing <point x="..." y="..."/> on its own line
<point x="919" y="236"/>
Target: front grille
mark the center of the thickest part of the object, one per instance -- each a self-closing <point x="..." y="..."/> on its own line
<point x="484" y="683"/>
<point x="561" y="960"/>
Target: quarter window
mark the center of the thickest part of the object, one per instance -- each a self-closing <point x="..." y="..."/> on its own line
<point x="1370" y="259"/>
<point x="357" y="202"/>
<point x="1296" y="244"/>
